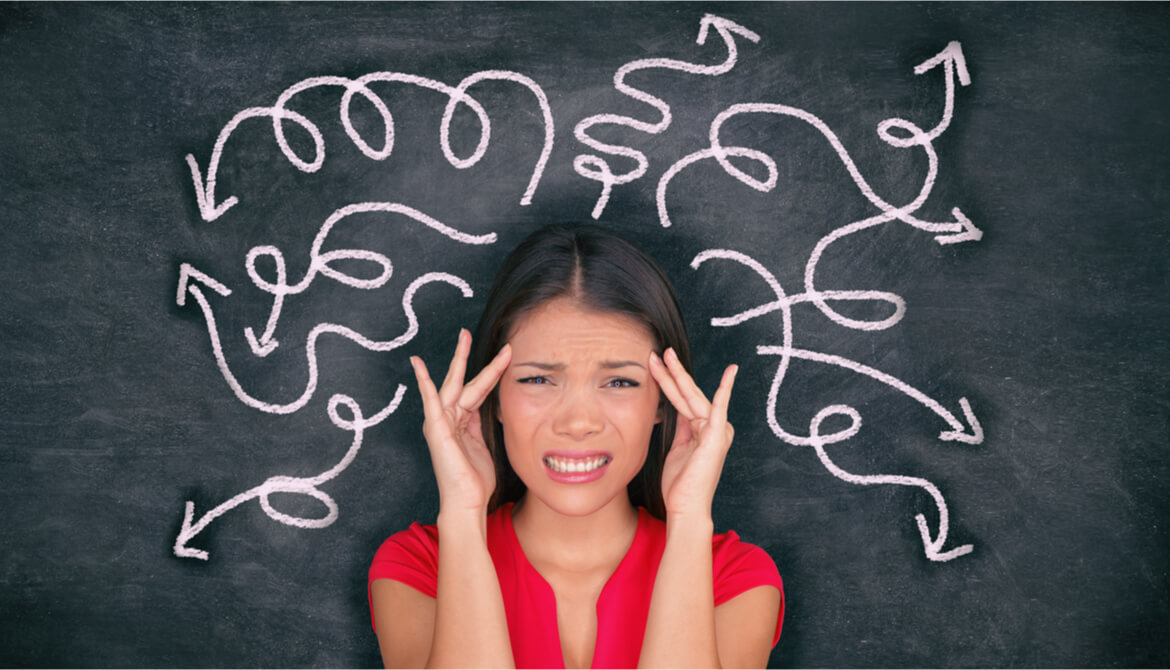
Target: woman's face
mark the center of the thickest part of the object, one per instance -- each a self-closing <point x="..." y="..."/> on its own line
<point x="578" y="405"/>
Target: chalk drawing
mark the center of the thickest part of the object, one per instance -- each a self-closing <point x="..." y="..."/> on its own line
<point x="188" y="286"/>
<point x="308" y="486"/>
<point x="965" y="430"/>
<point x="592" y="166"/>
<point x="319" y="263"/>
<point x="958" y="425"/>
<point x="326" y="263"/>
<point x="279" y="113"/>
<point x="189" y="280"/>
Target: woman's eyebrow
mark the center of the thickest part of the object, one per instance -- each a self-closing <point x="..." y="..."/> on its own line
<point x="610" y="365"/>
<point x="551" y="367"/>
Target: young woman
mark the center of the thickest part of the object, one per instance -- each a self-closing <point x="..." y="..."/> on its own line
<point x="576" y="471"/>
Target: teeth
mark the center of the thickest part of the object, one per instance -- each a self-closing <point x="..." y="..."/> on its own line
<point x="575" y="465"/>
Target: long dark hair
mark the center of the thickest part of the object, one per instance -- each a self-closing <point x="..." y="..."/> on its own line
<point x="599" y="270"/>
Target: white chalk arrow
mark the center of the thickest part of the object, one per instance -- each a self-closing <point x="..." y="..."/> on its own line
<point x="320" y="263"/>
<point x="951" y="57"/>
<point x="205" y="188"/>
<point x="311" y="341"/>
<point x="595" y="167"/>
<point x="309" y="486"/>
<point x="968" y="433"/>
<point x="456" y="95"/>
<point x="187" y="274"/>
<point x="932" y="545"/>
<point x="969" y="232"/>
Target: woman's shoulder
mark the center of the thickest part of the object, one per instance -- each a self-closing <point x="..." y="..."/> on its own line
<point x="409" y="556"/>
<point x="739" y="566"/>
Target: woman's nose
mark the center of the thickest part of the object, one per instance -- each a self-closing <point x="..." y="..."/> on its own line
<point x="578" y="415"/>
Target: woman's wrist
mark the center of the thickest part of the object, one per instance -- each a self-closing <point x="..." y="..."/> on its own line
<point x="689" y="524"/>
<point x="462" y="522"/>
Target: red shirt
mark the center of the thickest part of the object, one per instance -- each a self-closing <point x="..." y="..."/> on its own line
<point x="412" y="557"/>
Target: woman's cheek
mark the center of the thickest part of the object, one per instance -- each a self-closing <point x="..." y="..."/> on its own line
<point x="521" y="402"/>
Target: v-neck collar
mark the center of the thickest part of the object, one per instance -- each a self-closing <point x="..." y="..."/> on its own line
<point x="614" y="608"/>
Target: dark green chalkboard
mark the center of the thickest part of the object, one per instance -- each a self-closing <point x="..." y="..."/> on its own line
<point x="935" y="237"/>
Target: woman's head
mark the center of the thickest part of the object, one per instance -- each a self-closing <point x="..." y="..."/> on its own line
<point x="596" y="271"/>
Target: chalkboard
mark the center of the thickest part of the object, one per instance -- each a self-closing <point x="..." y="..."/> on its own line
<point x="934" y="236"/>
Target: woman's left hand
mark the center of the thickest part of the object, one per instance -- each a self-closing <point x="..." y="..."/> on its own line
<point x="701" y="439"/>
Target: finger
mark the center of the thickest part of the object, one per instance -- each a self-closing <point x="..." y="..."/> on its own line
<point x="426" y="387"/>
<point x="717" y="425"/>
<point x="700" y="407"/>
<point x="453" y="382"/>
<point x="669" y="388"/>
<point x="722" y="399"/>
<point x="477" y="389"/>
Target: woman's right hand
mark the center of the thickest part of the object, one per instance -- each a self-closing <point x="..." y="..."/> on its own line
<point x="463" y="466"/>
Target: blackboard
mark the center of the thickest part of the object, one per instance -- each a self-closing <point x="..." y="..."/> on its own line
<point x="939" y="232"/>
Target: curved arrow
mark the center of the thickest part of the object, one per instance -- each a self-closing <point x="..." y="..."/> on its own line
<point x="205" y="186"/>
<point x="205" y="190"/>
<point x="932" y="545"/>
<point x="970" y="433"/>
<point x="309" y="486"/>
<point x="320" y="263"/>
<point x="311" y="341"/>
<point x="951" y="57"/>
<point x="961" y="229"/>
<point x="592" y="166"/>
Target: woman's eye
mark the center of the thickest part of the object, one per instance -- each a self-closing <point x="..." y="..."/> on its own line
<point x="534" y="380"/>
<point x="622" y="383"/>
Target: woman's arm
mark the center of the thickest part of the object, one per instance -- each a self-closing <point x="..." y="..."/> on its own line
<point x="465" y="624"/>
<point x="684" y="628"/>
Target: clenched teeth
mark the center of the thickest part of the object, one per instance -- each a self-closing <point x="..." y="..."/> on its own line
<point x="575" y="465"/>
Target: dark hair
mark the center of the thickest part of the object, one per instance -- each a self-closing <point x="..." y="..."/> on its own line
<point x="599" y="270"/>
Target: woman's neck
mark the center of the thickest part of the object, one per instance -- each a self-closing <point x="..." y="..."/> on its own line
<point x="597" y="541"/>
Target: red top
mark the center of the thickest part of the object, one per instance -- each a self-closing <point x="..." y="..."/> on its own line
<point x="412" y="557"/>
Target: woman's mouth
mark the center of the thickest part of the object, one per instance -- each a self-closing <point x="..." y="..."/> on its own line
<point x="576" y="469"/>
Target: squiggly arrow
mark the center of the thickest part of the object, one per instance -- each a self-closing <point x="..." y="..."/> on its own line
<point x="783" y="303"/>
<point x="932" y="546"/>
<point x="319" y="263"/>
<point x="950" y="232"/>
<point x="309" y="486"/>
<point x="592" y="166"/>
<point x="969" y="433"/>
<point x="187" y="273"/>
<point x="205" y="188"/>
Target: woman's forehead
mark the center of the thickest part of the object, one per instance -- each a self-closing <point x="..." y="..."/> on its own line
<point x="565" y="327"/>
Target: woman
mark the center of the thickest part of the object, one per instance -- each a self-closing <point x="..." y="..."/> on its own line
<point x="576" y="472"/>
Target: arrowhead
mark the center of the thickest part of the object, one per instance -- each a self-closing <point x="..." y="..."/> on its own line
<point x="261" y="347"/>
<point x="933" y="547"/>
<point x="187" y="274"/>
<point x="186" y="533"/>
<point x="969" y="232"/>
<point x="205" y="196"/>
<point x="975" y="436"/>
<point x="952" y="52"/>
<point x="725" y="27"/>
